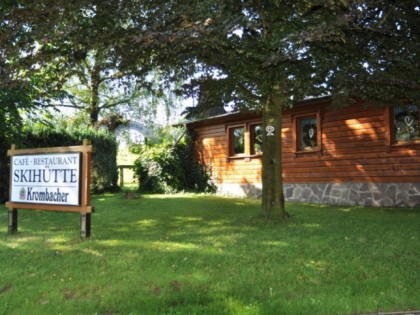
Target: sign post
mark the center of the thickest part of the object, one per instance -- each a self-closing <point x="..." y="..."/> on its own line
<point x="55" y="179"/>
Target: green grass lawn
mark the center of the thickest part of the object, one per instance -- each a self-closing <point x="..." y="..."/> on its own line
<point x="187" y="254"/>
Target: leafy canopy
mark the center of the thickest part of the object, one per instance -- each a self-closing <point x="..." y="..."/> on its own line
<point x="343" y="47"/>
<point x="358" y="48"/>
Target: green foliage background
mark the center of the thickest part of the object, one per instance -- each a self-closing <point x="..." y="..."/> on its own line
<point x="104" y="173"/>
<point x="12" y="100"/>
<point x="165" y="168"/>
<point x="4" y="170"/>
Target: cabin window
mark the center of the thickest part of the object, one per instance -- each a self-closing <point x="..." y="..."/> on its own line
<point x="237" y="140"/>
<point x="406" y="123"/>
<point x="307" y="133"/>
<point x="245" y="140"/>
<point x="256" y="139"/>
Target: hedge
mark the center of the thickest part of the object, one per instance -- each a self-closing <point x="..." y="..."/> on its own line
<point x="104" y="173"/>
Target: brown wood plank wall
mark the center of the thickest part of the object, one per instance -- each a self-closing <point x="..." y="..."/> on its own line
<point x="354" y="149"/>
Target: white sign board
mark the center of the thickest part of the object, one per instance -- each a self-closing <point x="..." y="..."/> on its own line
<point x="46" y="178"/>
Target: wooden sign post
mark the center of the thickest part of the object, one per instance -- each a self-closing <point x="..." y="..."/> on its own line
<point x="55" y="179"/>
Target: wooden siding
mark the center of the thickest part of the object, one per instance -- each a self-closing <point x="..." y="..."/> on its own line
<point x="354" y="148"/>
<point x="212" y="145"/>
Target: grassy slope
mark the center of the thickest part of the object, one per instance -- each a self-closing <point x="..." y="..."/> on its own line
<point x="184" y="254"/>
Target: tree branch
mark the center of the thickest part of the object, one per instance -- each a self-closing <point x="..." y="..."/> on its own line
<point x="116" y="103"/>
<point x="65" y="105"/>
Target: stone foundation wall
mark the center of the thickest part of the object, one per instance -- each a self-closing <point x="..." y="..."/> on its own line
<point x="348" y="194"/>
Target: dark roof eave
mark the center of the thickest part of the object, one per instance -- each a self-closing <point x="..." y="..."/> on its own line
<point x="245" y="115"/>
<point x="232" y="116"/>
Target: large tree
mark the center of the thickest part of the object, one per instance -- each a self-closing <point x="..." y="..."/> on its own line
<point x="278" y="52"/>
<point x="76" y="47"/>
<point x="270" y="53"/>
<point x="102" y="92"/>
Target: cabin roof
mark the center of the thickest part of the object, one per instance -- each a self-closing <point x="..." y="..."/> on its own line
<point x="244" y="115"/>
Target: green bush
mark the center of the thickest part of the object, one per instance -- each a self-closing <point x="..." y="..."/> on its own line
<point x="12" y="100"/>
<point x="166" y="168"/>
<point x="4" y="170"/>
<point x="104" y="173"/>
<point x="8" y="135"/>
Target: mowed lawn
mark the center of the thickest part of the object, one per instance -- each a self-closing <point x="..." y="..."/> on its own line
<point x="192" y="254"/>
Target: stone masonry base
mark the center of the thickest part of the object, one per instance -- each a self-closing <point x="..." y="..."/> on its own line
<point x="348" y="194"/>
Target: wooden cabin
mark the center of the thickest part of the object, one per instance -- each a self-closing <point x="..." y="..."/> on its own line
<point x="352" y="156"/>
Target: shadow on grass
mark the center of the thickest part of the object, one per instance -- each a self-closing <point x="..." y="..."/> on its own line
<point x="184" y="254"/>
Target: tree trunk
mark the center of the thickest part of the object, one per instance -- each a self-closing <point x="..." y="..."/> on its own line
<point x="95" y="77"/>
<point x="272" y="192"/>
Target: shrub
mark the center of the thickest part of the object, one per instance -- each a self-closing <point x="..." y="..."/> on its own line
<point x="4" y="170"/>
<point x="165" y="168"/>
<point x="11" y="100"/>
<point x="147" y="168"/>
